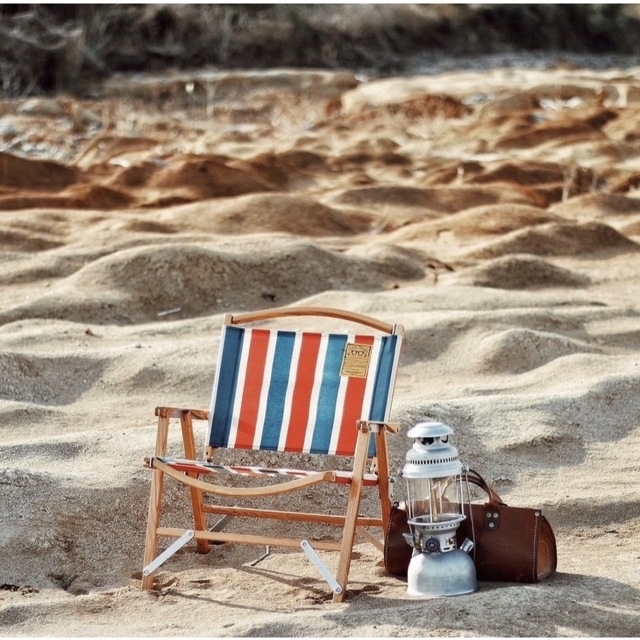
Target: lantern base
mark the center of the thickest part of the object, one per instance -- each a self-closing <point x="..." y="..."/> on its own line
<point x="450" y="573"/>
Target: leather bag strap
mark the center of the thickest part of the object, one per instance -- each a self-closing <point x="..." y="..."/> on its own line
<point x="494" y="499"/>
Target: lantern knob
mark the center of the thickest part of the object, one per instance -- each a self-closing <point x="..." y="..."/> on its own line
<point x="432" y="545"/>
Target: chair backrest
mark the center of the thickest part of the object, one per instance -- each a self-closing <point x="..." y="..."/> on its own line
<point x="303" y="391"/>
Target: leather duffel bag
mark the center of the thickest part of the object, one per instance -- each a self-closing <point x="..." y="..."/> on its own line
<point x="511" y="544"/>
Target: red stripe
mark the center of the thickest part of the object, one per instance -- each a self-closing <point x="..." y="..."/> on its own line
<point x="302" y="390"/>
<point x="252" y="388"/>
<point x="352" y="411"/>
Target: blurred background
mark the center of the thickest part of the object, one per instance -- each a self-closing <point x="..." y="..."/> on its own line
<point x="47" y="49"/>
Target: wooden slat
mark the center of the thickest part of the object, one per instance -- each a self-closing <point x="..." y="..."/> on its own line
<point x="298" y="516"/>
<point x="282" y="312"/>
<point x="174" y="412"/>
<point x="244" y="538"/>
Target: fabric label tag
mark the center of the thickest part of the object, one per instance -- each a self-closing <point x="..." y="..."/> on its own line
<point x="355" y="362"/>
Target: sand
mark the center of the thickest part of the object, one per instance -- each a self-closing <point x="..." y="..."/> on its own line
<point x="493" y="213"/>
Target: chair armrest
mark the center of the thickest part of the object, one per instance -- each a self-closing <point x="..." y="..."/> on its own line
<point x="174" y="412"/>
<point x="391" y="427"/>
<point x="186" y="416"/>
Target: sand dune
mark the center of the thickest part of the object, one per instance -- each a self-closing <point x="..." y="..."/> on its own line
<point x="560" y="239"/>
<point x="495" y="214"/>
<point x="520" y="272"/>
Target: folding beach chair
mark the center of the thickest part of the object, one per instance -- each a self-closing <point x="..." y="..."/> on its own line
<point x="316" y="394"/>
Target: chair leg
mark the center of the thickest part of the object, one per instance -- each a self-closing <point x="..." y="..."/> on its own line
<point x="353" y="507"/>
<point x="153" y="520"/>
<point x="199" y="517"/>
<point x="383" y="476"/>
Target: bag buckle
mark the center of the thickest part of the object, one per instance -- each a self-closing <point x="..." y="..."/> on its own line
<point x="491" y="518"/>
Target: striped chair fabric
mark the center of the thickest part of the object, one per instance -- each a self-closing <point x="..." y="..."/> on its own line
<point x="298" y="391"/>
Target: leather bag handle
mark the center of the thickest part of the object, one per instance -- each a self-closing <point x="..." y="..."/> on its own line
<point x="494" y="499"/>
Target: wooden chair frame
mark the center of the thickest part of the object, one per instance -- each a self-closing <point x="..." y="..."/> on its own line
<point x="189" y="475"/>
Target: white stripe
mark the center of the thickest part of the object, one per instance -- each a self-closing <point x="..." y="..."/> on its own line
<point x="242" y="374"/>
<point x="286" y="416"/>
<point x="371" y="378"/>
<point x="264" y="391"/>
<point x="315" y="392"/>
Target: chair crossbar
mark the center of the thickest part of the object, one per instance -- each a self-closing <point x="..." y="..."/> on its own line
<point x="173" y="532"/>
<point x="294" y="516"/>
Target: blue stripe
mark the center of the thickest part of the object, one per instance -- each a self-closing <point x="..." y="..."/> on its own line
<point x="380" y="398"/>
<point x="328" y="395"/>
<point x="274" y="412"/>
<point x="226" y="387"/>
<point x="386" y="361"/>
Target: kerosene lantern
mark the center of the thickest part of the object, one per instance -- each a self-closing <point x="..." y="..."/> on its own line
<point x="434" y="479"/>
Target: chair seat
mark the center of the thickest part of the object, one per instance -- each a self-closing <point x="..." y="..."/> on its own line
<point x="202" y="466"/>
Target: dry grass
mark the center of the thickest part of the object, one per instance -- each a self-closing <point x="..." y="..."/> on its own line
<point x="54" y="48"/>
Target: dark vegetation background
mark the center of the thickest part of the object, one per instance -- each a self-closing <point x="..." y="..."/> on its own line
<point x="67" y="48"/>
